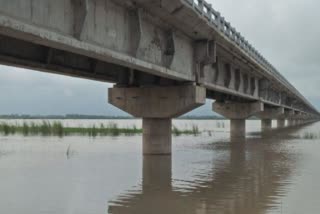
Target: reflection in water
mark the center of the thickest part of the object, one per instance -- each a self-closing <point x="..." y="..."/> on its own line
<point x="250" y="181"/>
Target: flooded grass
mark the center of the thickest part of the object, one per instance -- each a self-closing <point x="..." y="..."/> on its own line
<point x="193" y="131"/>
<point x="220" y="124"/>
<point x="46" y="128"/>
<point x="57" y="129"/>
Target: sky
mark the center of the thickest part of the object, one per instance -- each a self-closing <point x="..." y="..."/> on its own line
<point x="286" y="32"/>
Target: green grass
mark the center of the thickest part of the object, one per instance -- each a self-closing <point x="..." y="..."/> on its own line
<point x="220" y="124"/>
<point x="45" y="128"/>
<point x="193" y="131"/>
<point x="57" y="129"/>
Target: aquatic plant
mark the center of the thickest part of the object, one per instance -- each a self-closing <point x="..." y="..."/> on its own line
<point x="176" y="131"/>
<point x="45" y="128"/>
<point x="25" y="129"/>
<point x="57" y="129"/>
<point x="195" y="130"/>
<point x="220" y="124"/>
<point x="5" y="128"/>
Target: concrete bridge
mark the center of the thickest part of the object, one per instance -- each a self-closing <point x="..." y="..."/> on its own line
<point x="166" y="57"/>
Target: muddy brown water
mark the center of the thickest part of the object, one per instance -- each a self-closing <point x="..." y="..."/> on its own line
<point x="277" y="172"/>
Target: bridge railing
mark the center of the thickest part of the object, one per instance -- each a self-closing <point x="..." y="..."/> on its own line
<point x="214" y="17"/>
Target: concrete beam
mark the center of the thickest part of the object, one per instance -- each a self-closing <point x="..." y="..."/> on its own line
<point x="270" y="113"/>
<point x="234" y="110"/>
<point x="281" y="123"/>
<point x="267" y="115"/>
<point x="166" y="39"/>
<point x="291" y="122"/>
<point x="81" y="8"/>
<point x="157" y="105"/>
<point x="266" y="125"/>
<point x="158" y="102"/>
<point x="296" y="118"/>
<point x="237" y="113"/>
<point x="288" y="113"/>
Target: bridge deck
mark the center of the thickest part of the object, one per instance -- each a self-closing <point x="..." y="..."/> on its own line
<point x="142" y="43"/>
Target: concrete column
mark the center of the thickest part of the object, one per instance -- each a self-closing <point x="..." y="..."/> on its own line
<point x="267" y="115"/>
<point x="291" y="122"/>
<point x="237" y="130"/>
<point x="266" y="125"/>
<point x="281" y="123"/>
<point x="237" y="113"/>
<point x="156" y="136"/>
<point x="157" y="105"/>
<point x="157" y="171"/>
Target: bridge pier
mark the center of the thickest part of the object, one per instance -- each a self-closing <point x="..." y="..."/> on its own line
<point x="237" y="129"/>
<point x="281" y="123"/>
<point x="157" y="106"/>
<point x="266" y="125"/>
<point x="291" y="122"/>
<point x="267" y="115"/>
<point x="156" y="135"/>
<point x="237" y="113"/>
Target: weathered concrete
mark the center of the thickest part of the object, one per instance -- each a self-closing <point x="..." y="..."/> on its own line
<point x="267" y="115"/>
<point x="291" y="122"/>
<point x="237" y="113"/>
<point x="234" y="110"/>
<point x="156" y="136"/>
<point x="142" y="42"/>
<point x="281" y="123"/>
<point x="237" y="130"/>
<point x="157" y="105"/>
<point x="270" y="113"/>
<point x="266" y="125"/>
<point x="157" y="102"/>
<point x="157" y="171"/>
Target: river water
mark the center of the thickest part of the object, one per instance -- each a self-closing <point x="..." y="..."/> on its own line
<point x="276" y="172"/>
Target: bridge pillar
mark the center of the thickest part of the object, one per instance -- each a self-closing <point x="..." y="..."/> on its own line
<point x="157" y="171"/>
<point x="281" y="123"/>
<point x="267" y="115"/>
<point x="156" y="135"/>
<point x="157" y="106"/>
<point x="237" y="113"/>
<point x="266" y="125"/>
<point x="300" y="118"/>
<point x="237" y="129"/>
<point x="291" y="122"/>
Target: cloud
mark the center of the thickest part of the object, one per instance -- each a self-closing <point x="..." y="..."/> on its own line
<point x="25" y="91"/>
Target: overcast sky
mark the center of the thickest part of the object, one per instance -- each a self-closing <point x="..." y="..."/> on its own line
<point x="286" y="32"/>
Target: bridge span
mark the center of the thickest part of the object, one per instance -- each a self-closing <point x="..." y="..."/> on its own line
<point x="166" y="57"/>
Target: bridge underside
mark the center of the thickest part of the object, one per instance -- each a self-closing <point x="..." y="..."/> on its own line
<point x="156" y="46"/>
